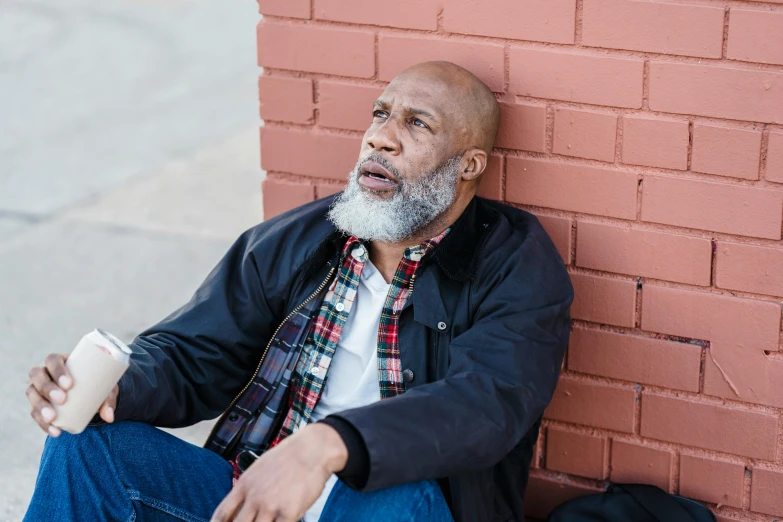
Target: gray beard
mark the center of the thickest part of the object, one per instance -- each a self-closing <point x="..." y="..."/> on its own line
<point x="415" y="204"/>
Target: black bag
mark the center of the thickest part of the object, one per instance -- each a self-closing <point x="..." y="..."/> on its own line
<point x="632" y="503"/>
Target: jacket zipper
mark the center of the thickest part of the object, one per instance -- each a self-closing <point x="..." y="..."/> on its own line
<point x="266" y="350"/>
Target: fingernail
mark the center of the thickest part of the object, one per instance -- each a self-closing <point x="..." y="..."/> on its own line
<point x="57" y="396"/>
<point x="54" y="432"/>
<point x="65" y="381"/>
<point x="47" y="414"/>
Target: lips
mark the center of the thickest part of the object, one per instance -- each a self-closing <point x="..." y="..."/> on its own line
<point x="375" y="176"/>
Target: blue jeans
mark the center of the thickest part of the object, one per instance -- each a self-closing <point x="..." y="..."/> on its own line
<point x="130" y="471"/>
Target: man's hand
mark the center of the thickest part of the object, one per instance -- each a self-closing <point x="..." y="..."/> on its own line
<point x="285" y="481"/>
<point x="49" y="384"/>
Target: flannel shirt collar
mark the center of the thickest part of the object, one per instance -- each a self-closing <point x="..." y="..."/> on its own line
<point x="459" y="253"/>
<point x="412" y="253"/>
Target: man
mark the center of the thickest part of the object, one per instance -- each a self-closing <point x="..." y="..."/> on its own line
<point x="346" y="391"/>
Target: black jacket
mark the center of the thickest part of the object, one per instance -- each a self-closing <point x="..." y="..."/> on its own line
<point x="484" y="336"/>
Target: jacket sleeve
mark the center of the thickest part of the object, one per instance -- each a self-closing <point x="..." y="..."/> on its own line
<point x="502" y="374"/>
<point x="188" y="367"/>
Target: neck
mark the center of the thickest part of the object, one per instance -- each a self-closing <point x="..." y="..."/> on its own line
<point x="386" y="256"/>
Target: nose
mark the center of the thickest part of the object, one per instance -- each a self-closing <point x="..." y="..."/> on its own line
<point x="384" y="138"/>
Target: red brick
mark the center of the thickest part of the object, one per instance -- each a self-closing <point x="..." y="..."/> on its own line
<point x="690" y="30"/>
<point x="766" y="491"/>
<point x="329" y="50"/>
<point x="575" y="453"/>
<point x="537" y="20"/>
<point x="719" y="207"/>
<point x="755" y="36"/>
<point x="725" y="151"/>
<point x="281" y="196"/>
<point x="709" y="90"/>
<point x="522" y="126"/>
<point x="345" y="105"/>
<point x="559" y="230"/>
<point x="491" y="182"/>
<point x="634" y="464"/>
<point x="775" y="158"/>
<point x="750" y="268"/>
<point x="711" y="480"/>
<point x="703" y="315"/>
<point x="655" y="142"/>
<point x="286" y="99"/>
<point x="585" y="134"/>
<point x="545" y="494"/>
<point x="308" y="153"/>
<point x="289" y="8"/>
<point x="407" y="14"/>
<point x="576" y="77"/>
<point x="622" y="250"/>
<point x="578" y="188"/>
<point x="593" y="404"/>
<point x="634" y="358"/>
<point x="482" y="59"/>
<point x="327" y="189"/>
<point x="709" y="425"/>
<point x="603" y="300"/>
<point x="739" y="331"/>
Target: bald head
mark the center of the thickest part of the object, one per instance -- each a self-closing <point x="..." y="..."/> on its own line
<point x="466" y="99"/>
<point x="423" y="155"/>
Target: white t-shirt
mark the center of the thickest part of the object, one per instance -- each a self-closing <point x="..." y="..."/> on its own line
<point x="353" y="373"/>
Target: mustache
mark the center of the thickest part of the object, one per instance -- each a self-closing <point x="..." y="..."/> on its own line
<point x="380" y="160"/>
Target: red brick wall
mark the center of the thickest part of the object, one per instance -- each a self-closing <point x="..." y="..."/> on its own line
<point x="648" y="137"/>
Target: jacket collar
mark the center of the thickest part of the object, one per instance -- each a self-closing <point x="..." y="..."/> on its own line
<point x="459" y="253"/>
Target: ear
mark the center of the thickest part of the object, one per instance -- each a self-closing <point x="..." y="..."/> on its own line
<point x="473" y="163"/>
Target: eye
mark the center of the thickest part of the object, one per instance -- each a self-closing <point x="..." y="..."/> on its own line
<point x="419" y="123"/>
<point x="380" y="114"/>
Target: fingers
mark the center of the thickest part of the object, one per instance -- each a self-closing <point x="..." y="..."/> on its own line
<point x="106" y="412"/>
<point x="42" y="411"/>
<point x="42" y="381"/>
<point x="225" y="511"/>
<point x="55" y="365"/>
<point x="241" y="509"/>
<point x="249" y="514"/>
<point x="43" y="391"/>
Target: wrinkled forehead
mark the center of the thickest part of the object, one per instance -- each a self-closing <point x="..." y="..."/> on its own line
<point x="444" y="100"/>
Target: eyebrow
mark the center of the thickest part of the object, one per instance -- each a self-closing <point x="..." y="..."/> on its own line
<point x="380" y="103"/>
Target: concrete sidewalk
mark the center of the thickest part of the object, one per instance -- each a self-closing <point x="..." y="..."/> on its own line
<point x="128" y="166"/>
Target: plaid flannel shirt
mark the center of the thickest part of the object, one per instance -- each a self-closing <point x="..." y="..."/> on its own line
<point x="301" y="351"/>
<point x="313" y="365"/>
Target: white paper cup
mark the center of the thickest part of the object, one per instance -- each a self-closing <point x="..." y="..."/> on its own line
<point x="96" y="365"/>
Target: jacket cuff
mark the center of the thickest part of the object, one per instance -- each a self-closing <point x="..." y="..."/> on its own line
<point x="357" y="468"/>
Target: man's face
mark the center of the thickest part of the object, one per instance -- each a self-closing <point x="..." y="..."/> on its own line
<point x="411" y="132"/>
<point x="407" y="173"/>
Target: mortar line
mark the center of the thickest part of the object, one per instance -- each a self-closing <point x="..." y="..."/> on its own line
<point x="690" y="146"/>
<point x="725" y="42"/>
<point x="675" y="476"/>
<point x="763" y="153"/>
<point x="747" y="477"/>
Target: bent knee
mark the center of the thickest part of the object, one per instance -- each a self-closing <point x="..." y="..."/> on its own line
<point x="96" y="439"/>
